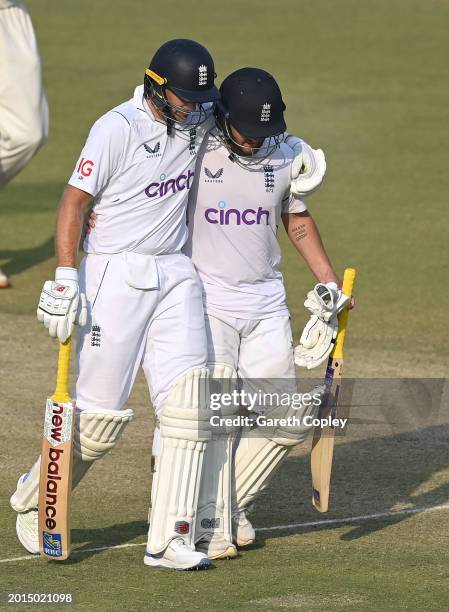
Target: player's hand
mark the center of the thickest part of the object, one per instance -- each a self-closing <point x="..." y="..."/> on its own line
<point x="324" y="303"/>
<point x="326" y="300"/>
<point x="61" y="305"/>
<point x="308" y="167"/>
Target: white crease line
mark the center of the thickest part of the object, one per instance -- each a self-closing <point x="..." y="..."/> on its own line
<point x="355" y="519"/>
<point x="349" y="519"/>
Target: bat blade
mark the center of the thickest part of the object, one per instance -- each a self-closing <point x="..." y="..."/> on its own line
<point x="324" y="437"/>
<point x="55" y="484"/>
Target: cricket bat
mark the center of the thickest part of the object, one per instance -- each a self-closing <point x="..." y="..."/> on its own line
<point x="55" y="484"/>
<point x="324" y="437"/>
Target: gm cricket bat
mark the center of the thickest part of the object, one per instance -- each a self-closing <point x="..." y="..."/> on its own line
<point x="324" y="437"/>
<point x="55" y="485"/>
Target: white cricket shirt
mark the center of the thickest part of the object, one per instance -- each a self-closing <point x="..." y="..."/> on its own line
<point x="140" y="178"/>
<point x="233" y="216"/>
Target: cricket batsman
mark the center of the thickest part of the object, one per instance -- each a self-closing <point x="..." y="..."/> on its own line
<point x="249" y="179"/>
<point x="136" y="296"/>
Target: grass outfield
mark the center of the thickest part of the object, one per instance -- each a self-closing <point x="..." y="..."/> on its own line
<point x="368" y="82"/>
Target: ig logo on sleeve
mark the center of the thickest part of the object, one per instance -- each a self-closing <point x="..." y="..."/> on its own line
<point x="85" y="167"/>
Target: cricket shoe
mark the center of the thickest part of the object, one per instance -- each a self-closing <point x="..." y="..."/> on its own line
<point x="216" y="548"/>
<point x="3" y="280"/>
<point x="244" y="531"/>
<point x="27" y="530"/>
<point x="178" y="556"/>
<point x="27" y="525"/>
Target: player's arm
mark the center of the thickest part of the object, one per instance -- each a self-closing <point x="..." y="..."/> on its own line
<point x="61" y="303"/>
<point x="305" y="237"/>
<point x="69" y="225"/>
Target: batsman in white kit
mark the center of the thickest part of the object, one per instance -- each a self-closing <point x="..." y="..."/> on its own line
<point x="250" y="176"/>
<point x="136" y="296"/>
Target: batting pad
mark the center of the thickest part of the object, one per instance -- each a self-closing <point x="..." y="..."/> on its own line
<point x="97" y="430"/>
<point x="214" y="506"/>
<point x="260" y="453"/>
<point x="185" y="431"/>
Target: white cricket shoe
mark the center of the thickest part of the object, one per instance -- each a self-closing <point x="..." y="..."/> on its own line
<point x="216" y="548"/>
<point x="178" y="556"/>
<point x="28" y="531"/>
<point x="244" y="531"/>
<point x="3" y="280"/>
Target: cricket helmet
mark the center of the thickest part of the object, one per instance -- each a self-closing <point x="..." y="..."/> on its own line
<point x="252" y="101"/>
<point x="186" y="68"/>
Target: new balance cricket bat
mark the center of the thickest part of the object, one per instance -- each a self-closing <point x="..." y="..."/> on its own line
<point x="324" y="437"/>
<point x="55" y="485"/>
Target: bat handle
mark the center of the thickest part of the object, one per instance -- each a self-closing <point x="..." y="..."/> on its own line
<point x="347" y="288"/>
<point x="61" y="394"/>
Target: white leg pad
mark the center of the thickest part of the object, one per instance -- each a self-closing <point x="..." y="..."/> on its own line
<point x="96" y="432"/>
<point x="259" y="453"/>
<point x="185" y="431"/>
<point x="214" y="506"/>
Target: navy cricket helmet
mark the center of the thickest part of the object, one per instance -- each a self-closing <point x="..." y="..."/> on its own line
<point x="186" y="68"/>
<point x="252" y="101"/>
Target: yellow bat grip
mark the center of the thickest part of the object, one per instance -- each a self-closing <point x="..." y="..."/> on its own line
<point x="61" y="394"/>
<point x="348" y="285"/>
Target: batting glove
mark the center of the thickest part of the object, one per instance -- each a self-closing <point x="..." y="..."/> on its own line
<point x="324" y="302"/>
<point x="61" y="305"/>
<point x="308" y="167"/>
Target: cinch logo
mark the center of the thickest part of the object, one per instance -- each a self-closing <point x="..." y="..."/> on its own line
<point x="233" y="216"/>
<point x="184" y="181"/>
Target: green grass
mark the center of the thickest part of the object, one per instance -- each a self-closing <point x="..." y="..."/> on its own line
<point x="368" y="82"/>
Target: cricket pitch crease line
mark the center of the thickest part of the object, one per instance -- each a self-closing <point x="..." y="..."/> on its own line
<point x="337" y="521"/>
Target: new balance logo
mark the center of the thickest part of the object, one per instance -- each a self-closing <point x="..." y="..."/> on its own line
<point x="154" y="150"/>
<point x="266" y="111"/>
<point x="213" y="177"/>
<point x="202" y="79"/>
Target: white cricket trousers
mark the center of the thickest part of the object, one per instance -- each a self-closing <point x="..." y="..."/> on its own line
<point x="23" y="105"/>
<point x="143" y="311"/>
<point x="260" y="350"/>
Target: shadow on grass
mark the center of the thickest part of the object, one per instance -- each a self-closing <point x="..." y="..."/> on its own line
<point x="114" y="535"/>
<point x="370" y="476"/>
<point x="23" y="259"/>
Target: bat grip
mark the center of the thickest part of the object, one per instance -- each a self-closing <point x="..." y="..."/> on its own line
<point x="61" y="394"/>
<point x="347" y="288"/>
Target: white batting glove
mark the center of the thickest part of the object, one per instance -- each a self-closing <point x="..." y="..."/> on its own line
<point x="61" y="305"/>
<point x="324" y="302"/>
<point x="308" y="167"/>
